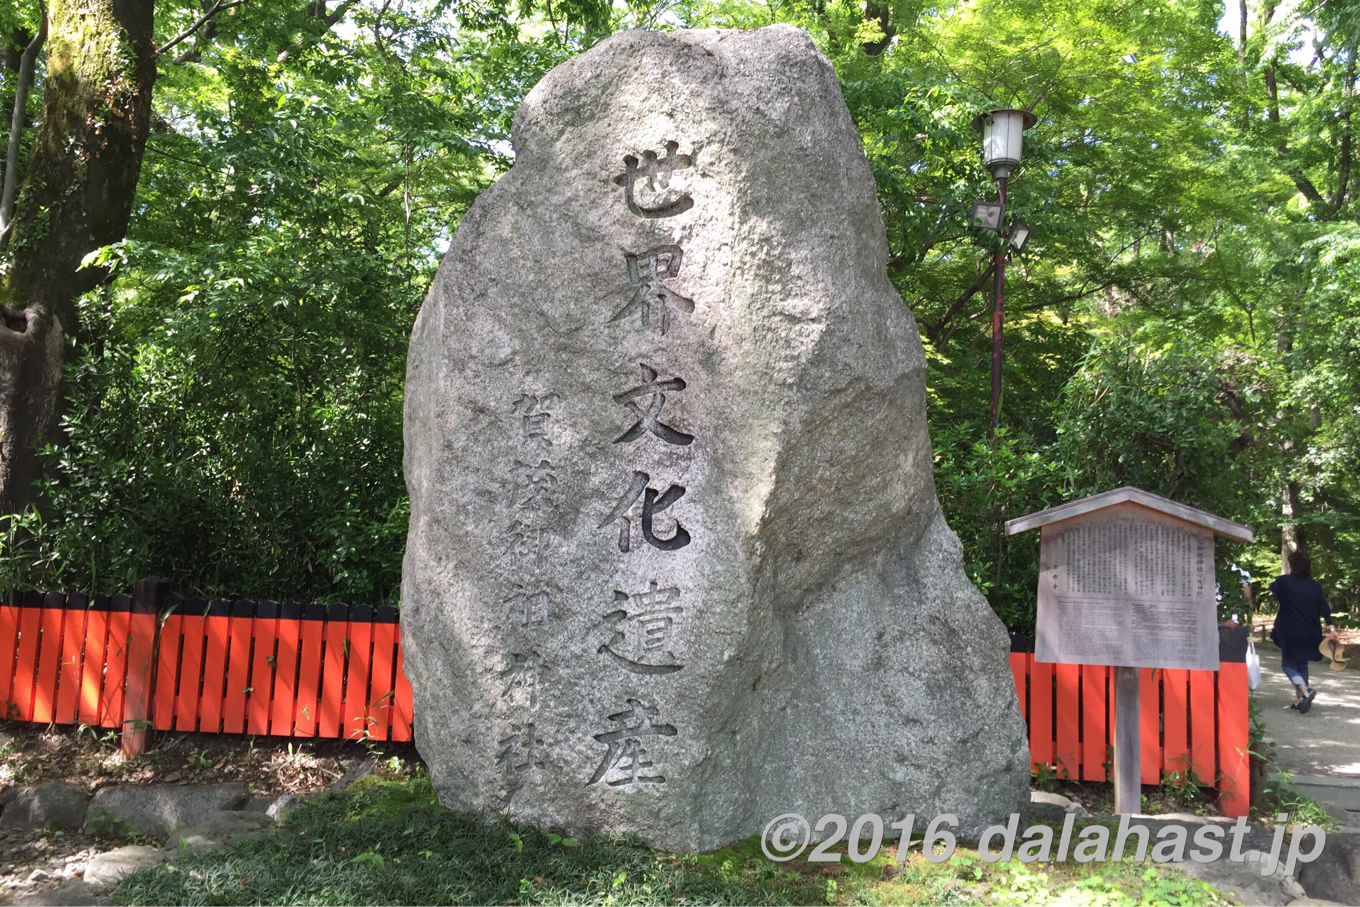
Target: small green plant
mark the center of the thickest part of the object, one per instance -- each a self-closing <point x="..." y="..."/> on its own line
<point x="371" y="857"/>
<point x="1257" y="744"/>
<point x="1182" y="786"/>
<point x="1043" y="776"/>
<point x="200" y="762"/>
<point x="97" y="735"/>
<point x="1302" y="809"/>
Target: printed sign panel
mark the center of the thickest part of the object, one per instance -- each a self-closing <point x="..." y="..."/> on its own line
<point x="1128" y="586"/>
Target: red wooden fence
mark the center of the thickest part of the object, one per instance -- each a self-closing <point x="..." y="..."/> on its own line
<point x="1190" y="721"/>
<point x="293" y="670"/>
<point x="141" y="661"/>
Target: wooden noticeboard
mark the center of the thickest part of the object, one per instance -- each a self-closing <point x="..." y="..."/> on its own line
<point x="1126" y="578"/>
<point x="1127" y="586"/>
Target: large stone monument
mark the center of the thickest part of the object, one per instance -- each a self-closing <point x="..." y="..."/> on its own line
<point x="676" y="565"/>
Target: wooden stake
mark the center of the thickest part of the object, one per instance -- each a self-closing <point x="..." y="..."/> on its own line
<point x="1128" y="788"/>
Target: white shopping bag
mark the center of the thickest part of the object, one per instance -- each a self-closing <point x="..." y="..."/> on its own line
<point x="1253" y="665"/>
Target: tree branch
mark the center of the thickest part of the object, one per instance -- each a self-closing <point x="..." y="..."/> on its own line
<point x="327" y="19"/>
<point x="1301" y="180"/>
<point x="216" y="8"/>
<point x="1343" y="167"/>
<point x="933" y="330"/>
<point x="1228" y="396"/>
<point x="27" y="63"/>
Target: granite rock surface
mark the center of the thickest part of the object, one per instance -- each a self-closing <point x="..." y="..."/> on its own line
<point x="676" y="564"/>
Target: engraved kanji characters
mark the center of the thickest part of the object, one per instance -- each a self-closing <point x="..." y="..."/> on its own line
<point x="646" y="626"/>
<point x="527" y="543"/>
<point x="526" y="540"/>
<point x="530" y="603"/>
<point x="535" y="479"/>
<point x="523" y="675"/>
<point x="518" y="754"/>
<point x="657" y="173"/>
<point x="647" y="274"/>
<point x="625" y="756"/>
<point x="652" y="504"/>
<point x="535" y="418"/>
<point x="643" y="636"/>
<point x="649" y="418"/>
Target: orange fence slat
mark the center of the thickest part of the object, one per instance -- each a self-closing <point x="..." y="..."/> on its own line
<point x="381" y="687"/>
<point x="238" y="666"/>
<point x="1203" y="725"/>
<point x="1149" y="725"/>
<point x="1176" y="720"/>
<point x="1093" y="722"/>
<point x="288" y="631"/>
<point x="216" y="630"/>
<point x="136" y="714"/>
<point x="72" y="644"/>
<point x="1041" y="746"/>
<point x="354" y="716"/>
<point x="92" y="666"/>
<point x="115" y="661"/>
<point x="1067" y="716"/>
<point x="261" y="668"/>
<point x="193" y="625"/>
<point x="309" y="671"/>
<point x="168" y="640"/>
<point x="49" y="658"/>
<point x="1234" y="783"/>
<point x="333" y="671"/>
<point x="25" y="675"/>
<point x="9" y="644"/>
<point x="402" y="711"/>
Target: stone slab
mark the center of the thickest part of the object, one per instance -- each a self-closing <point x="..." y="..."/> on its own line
<point x="107" y="868"/>
<point x="217" y="831"/>
<point x="154" y="810"/>
<point x="59" y="805"/>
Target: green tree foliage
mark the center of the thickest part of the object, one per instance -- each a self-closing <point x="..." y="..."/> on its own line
<point x="237" y="424"/>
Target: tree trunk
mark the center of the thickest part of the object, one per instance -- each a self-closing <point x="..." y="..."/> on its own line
<point x="76" y="197"/>
<point x="1291" y="535"/>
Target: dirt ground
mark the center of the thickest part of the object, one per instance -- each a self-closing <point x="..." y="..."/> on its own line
<point x="1098" y="797"/>
<point x="90" y="757"/>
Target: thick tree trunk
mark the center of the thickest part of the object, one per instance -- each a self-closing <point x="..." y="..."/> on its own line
<point x="76" y="197"/>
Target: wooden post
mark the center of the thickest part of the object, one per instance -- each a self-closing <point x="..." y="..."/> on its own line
<point x="1128" y="788"/>
<point x="146" y="601"/>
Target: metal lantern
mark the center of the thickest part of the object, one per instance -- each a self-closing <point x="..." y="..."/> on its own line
<point x="987" y="215"/>
<point x="1002" y="138"/>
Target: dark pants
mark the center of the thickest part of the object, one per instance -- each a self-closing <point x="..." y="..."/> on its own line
<point x="1295" y="668"/>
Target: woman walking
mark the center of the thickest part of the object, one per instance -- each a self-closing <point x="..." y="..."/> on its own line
<point x="1296" y="629"/>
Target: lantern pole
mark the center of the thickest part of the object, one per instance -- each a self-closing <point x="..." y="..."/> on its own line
<point x="998" y="299"/>
<point x="1002" y="141"/>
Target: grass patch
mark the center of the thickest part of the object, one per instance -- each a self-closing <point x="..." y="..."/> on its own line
<point x="391" y="843"/>
<point x="1282" y="795"/>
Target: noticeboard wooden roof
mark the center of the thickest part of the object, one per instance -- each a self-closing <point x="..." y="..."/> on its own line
<point x="1132" y="495"/>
